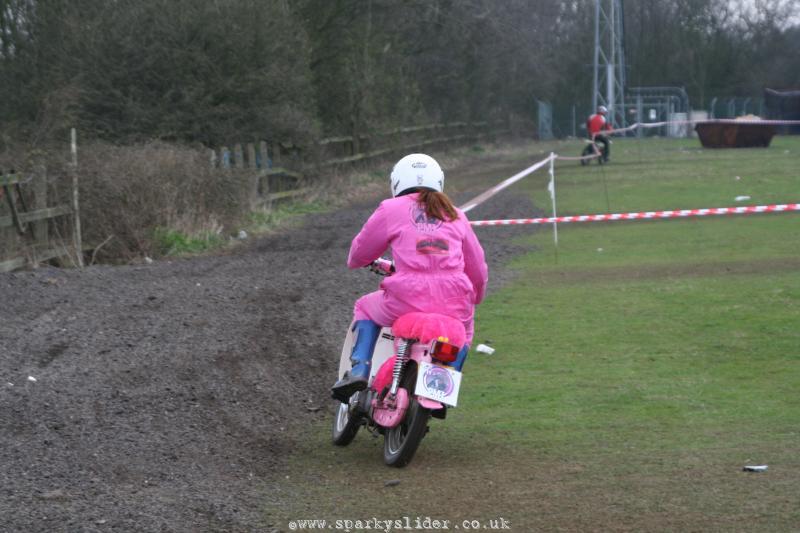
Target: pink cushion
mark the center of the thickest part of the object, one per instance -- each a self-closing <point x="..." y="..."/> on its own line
<point x="427" y="327"/>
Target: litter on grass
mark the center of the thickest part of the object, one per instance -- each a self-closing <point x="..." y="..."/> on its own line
<point x="482" y="348"/>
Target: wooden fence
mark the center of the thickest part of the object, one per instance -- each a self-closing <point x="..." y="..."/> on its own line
<point x="354" y="148"/>
<point x="280" y="170"/>
<point x="29" y="233"/>
<point x="269" y="180"/>
<point x="25" y="227"/>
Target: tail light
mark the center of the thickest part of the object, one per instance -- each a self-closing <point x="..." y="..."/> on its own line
<point x="443" y="351"/>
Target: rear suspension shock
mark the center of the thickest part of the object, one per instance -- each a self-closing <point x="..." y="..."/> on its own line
<point x="403" y="350"/>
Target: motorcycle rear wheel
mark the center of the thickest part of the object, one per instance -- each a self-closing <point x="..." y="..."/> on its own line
<point x="400" y="443"/>
<point x="345" y="426"/>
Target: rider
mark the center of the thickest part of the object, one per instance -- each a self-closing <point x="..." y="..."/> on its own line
<point x="596" y="124"/>
<point x="440" y="265"/>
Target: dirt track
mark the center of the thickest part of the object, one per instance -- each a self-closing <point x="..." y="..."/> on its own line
<point x="166" y="395"/>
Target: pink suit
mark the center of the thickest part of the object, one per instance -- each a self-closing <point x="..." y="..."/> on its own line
<point x="440" y="265"/>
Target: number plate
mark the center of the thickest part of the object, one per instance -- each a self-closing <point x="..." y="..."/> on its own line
<point x="437" y="382"/>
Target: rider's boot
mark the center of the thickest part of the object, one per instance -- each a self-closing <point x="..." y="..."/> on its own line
<point x="356" y="378"/>
<point x="458" y="364"/>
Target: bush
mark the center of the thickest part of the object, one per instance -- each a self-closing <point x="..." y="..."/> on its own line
<point x="155" y="199"/>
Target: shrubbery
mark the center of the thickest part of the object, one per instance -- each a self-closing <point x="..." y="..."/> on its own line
<point x="155" y="199"/>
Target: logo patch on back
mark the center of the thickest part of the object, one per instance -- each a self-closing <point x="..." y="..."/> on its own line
<point x="422" y="221"/>
<point x="431" y="246"/>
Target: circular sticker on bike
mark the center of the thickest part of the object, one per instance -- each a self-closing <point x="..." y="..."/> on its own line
<point x="438" y="381"/>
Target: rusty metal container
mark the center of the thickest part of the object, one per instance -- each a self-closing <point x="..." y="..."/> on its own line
<point x="734" y="133"/>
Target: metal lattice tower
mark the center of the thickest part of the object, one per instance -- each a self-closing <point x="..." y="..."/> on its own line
<point x="608" y="86"/>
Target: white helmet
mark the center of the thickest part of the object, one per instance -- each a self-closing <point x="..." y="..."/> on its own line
<point x="416" y="170"/>
<point x="602" y="110"/>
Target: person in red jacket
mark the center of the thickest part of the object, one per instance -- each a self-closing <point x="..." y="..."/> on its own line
<point x="595" y="126"/>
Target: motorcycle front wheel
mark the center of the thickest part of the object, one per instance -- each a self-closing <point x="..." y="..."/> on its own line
<point x="345" y="426"/>
<point x="400" y="443"/>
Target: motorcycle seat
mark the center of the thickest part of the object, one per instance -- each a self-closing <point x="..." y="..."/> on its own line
<point x="427" y="327"/>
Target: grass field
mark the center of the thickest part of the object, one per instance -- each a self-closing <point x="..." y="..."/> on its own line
<point x="637" y="369"/>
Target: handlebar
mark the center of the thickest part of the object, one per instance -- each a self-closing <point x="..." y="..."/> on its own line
<point x="382" y="267"/>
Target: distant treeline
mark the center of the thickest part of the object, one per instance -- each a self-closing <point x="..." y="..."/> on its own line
<point x="205" y="71"/>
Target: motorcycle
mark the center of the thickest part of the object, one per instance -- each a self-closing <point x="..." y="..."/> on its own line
<point x="589" y="152"/>
<point x="592" y="151"/>
<point x="410" y="381"/>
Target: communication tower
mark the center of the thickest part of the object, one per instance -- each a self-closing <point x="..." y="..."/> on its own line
<point x="608" y="87"/>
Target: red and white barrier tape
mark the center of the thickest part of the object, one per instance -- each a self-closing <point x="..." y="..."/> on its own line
<point x="594" y="155"/>
<point x="478" y="200"/>
<point x="705" y="121"/>
<point x="743" y="210"/>
<point x="768" y="122"/>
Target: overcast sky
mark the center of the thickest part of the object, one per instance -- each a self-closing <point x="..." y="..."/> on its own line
<point x="754" y="7"/>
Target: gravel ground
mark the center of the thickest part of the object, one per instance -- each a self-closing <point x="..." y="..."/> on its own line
<point x="162" y="397"/>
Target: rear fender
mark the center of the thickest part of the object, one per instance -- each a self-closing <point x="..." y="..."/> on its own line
<point x="427" y="403"/>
